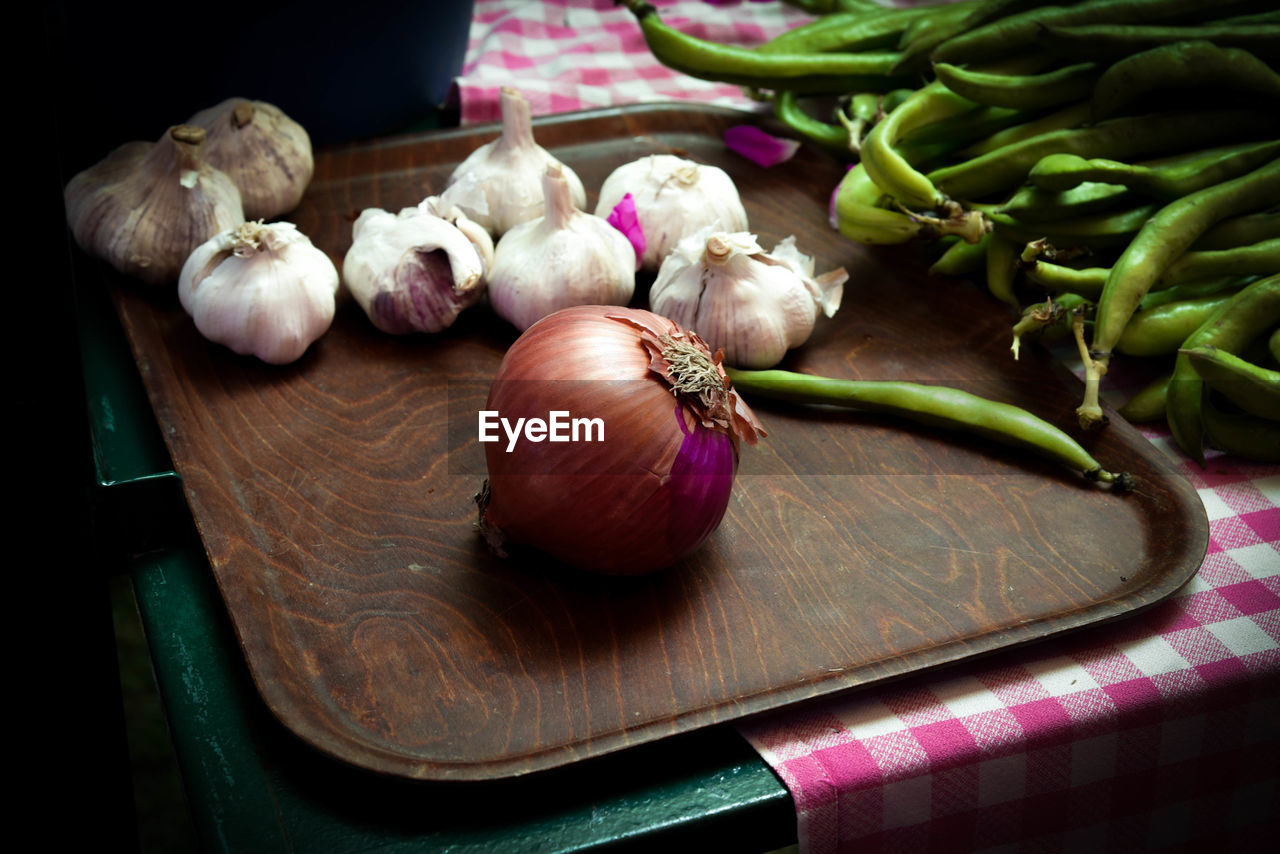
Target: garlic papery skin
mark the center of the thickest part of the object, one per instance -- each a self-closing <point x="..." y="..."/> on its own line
<point x="499" y="185"/>
<point x="566" y="258"/>
<point x="413" y="271"/>
<point x="752" y="304"/>
<point x="261" y="290"/>
<point x="674" y="198"/>
<point x="146" y="206"/>
<point x="266" y="153"/>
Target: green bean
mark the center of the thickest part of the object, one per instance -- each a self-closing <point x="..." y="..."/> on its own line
<point x="1260" y="258"/>
<point x="832" y="137"/>
<point x="1096" y="231"/>
<point x="961" y="130"/>
<point x="1251" y="387"/>
<point x="1063" y="118"/>
<point x="1166" y="236"/>
<point x="1002" y="268"/>
<point x="1182" y="291"/>
<point x="1241" y="434"/>
<point x="804" y="73"/>
<point x="1148" y="403"/>
<point x="1052" y="88"/>
<point x="933" y="405"/>
<point x="1161" y="330"/>
<point x="860" y="217"/>
<point x="1273" y="345"/>
<point x="1128" y="136"/>
<point x="962" y="258"/>
<point x="1060" y="279"/>
<point x="885" y="164"/>
<point x="1031" y="204"/>
<point x="1018" y="32"/>
<point x="1107" y="43"/>
<point x="1245" y="230"/>
<point x="1160" y="242"/>
<point x="1185" y="65"/>
<point x="858" y="30"/>
<point x="1168" y="179"/>
<point x="927" y="33"/>
<point x="1248" y="314"/>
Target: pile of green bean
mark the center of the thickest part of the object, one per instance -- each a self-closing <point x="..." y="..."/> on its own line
<point x="1109" y="168"/>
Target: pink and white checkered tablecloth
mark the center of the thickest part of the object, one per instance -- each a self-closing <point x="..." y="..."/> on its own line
<point x="1137" y="735"/>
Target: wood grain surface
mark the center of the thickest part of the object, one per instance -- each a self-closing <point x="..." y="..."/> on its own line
<point x="334" y="499"/>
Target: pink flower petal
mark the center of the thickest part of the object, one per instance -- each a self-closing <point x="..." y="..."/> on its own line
<point x="761" y="148"/>
<point x="623" y="217"/>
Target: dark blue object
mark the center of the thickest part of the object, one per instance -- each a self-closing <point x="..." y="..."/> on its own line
<point x="344" y="71"/>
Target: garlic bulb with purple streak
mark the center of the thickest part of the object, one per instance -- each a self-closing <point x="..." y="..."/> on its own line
<point x="755" y="305"/>
<point x="415" y="271"/>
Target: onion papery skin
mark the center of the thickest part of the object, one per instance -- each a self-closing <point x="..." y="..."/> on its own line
<point x="646" y="496"/>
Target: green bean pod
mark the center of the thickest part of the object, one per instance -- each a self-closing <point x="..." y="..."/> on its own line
<point x="1160" y="242"/>
<point x="805" y="73"/>
<point x="1167" y="179"/>
<point x="1248" y="314"/>
<point x="1053" y="88"/>
<point x="962" y="258"/>
<point x="1198" y="265"/>
<point x="1241" y="433"/>
<point x="1251" y="387"/>
<point x="1128" y="136"/>
<point x="1020" y="32"/>
<point x="1061" y="279"/>
<point x="1161" y="330"/>
<point x="1148" y="403"/>
<point x="1031" y="204"/>
<point x="1106" y="43"/>
<point x="1165" y="237"/>
<point x="1063" y="118"/>
<point x="1245" y="230"/>
<point x="1002" y="268"/>
<point x="1095" y="231"/>
<point x="834" y="138"/>
<point x="855" y="30"/>
<point x="885" y="164"/>
<point x="1186" y="65"/>
<point x="939" y="406"/>
<point x="859" y="216"/>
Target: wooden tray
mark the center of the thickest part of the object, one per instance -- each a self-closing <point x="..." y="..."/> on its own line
<point x="334" y="499"/>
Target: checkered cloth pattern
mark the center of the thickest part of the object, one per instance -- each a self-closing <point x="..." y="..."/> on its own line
<point x="1154" y="733"/>
<point x="566" y="55"/>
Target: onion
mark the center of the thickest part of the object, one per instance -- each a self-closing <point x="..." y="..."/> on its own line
<point x="653" y="483"/>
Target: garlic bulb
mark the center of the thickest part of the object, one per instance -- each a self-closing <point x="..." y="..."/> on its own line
<point x="262" y="290"/>
<point x="266" y="153"/>
<point x="567" y="257"/>
<point x="755" y="305"/>
<point x="146" y="206"/>
<point x="415" y="271"/>
<point x="499" y="185"/>
<point x="674" y="197"/>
